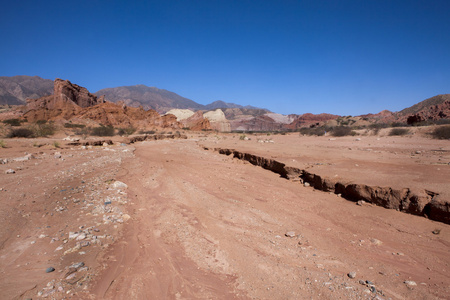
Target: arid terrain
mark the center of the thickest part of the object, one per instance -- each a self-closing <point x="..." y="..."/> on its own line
<point x="175" y="219"/>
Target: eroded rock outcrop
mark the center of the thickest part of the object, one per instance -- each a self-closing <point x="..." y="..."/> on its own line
<point x="73" y="102"/>
<point x="218" y="120"/>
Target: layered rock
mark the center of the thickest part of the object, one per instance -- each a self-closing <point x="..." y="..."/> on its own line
<point x="218" y="120"/>
<point x="73" y="102"/>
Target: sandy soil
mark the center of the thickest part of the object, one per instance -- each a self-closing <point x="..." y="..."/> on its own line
<point x="194" y="224"/>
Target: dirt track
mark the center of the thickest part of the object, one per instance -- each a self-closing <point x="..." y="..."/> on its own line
<point x="204" y="225"/>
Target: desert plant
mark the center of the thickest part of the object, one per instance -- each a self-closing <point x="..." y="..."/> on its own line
<point x="319" y="131"/>
<point x="44" y="129"/>
<point x="342" y="131"/>
<point x="12" y="122"/>
<point x="242" y="137"/>
<point x="398" y="131"/>
<point x="2" y="144"/>
<point x="70" y="125"/>
<point x="41" y="122"/>
<point x="126" y="131"/>
<point x="442" y="133"/>
<point x="20" y="132"/>
<point x="56" y="144"/>
<point x="102" y="131"/>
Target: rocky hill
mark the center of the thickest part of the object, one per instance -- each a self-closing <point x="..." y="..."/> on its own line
<point x="17" y="89"/>
<point x="148" y="97"/>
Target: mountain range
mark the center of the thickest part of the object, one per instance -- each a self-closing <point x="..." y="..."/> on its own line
<point x="17" y="89"/>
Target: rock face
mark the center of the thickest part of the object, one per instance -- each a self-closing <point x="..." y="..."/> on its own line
<point x="218" y="120"/>
<point x="73" y="102"/>
<point x="67" y="100"/>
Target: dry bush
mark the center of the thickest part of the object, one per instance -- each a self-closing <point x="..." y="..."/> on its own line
<point x="398" y="131"/>
<point x="442" y="133"/>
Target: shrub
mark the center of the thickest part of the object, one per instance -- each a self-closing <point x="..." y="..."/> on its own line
<point x="398" y="131"/>
<point x="147" y="132"/>
<point x="342" y="131"/>
<point x="44" y="129"/>
<point x="12" y="122"/>
<point x="20" y="132"/>
<point x="319" y="131"/>
<point x="103" y="131"/>
<point x="2" y="144"/>
<point x="126" y="131"/>
<point x="56" y="144"/>
<point x="41" y="122"/>
<point x="70" y="125"/>
<point x="442" y="133"/>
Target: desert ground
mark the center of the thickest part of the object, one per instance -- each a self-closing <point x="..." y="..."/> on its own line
<point x="175" y="219"/>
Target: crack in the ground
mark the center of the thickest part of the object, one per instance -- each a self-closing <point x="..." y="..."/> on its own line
<point x="426" y="204"/>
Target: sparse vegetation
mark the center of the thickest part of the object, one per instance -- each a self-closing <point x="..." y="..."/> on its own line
<point x="56" y="144"/>
<point x="442" y="133"/>
<point x="70" y="125"/>
<point x="102" y="131"/>
<point x="147" y="132"/>
<point x="242" y="137"/>
<point x="319" y="131"/>
<point x="44" y="129"/>
<point x="342" y="131"/>
<point x="12" y="122"/>
<point x="398" y="131"/>
<point x="2" y="144"/>
<point x="20" y="132"/>
<point x="126" y="131"/>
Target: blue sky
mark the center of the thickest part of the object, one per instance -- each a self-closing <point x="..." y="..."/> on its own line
<point x="346" y="57"/>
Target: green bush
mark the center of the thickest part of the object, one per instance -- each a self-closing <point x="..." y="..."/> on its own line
<point x="2" y="144"/>
<point x="398" y="131"/>
<point x="12" y="122"/>
<point x="442" y="133"/>
<point x="20" y="132"/>
<point x="103" y="131"/>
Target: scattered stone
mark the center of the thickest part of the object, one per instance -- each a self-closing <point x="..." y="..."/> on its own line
<point x="362" y="282"/>
<point x="10" y="171"/>
<point x="306" y="184"/>
<point x="57" y="155"/>
<point x="119" y="185"/>
<point x="77" y="265"/>
<point x="436" y="231"/>
<point x="376" y="242"/>
<point x="290" y="234"/>
<point x="351" y="274"/>
<point x="361" y="202"/>
<point x="410" y="283"/>
<point x="49" y="270"/>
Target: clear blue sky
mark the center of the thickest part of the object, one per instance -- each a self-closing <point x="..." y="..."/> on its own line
<point x="345" y="57"/>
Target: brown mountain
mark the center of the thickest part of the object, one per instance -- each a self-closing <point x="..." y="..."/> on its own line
<point x="17" y="89"/>
<point x="148" y="97"/>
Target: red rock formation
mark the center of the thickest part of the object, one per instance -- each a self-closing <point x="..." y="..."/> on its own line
<point x="309" y="119"/>
<point x="197" y="122"/>
<point x="71" y="101"/>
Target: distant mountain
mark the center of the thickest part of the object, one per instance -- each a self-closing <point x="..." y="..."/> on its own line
<point x="223" y="105"/>
<point x="148" y="97"/>
<point x="15" y="90"/>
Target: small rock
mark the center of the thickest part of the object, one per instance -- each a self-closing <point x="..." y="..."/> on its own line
<point x="436" y="231"/>
<point x="410" y="283"/>
<point x="362" y="282"/>
<point x="306" y="184"/>
<point x="10" y="171"/>
<point x="77" y="265"/>
<point x="361" y="202"/>
<point x="49" y="270"/>
<point x="119" y="185"/>
<point x="351" y="275"/>
<point x="290" y="234"/>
